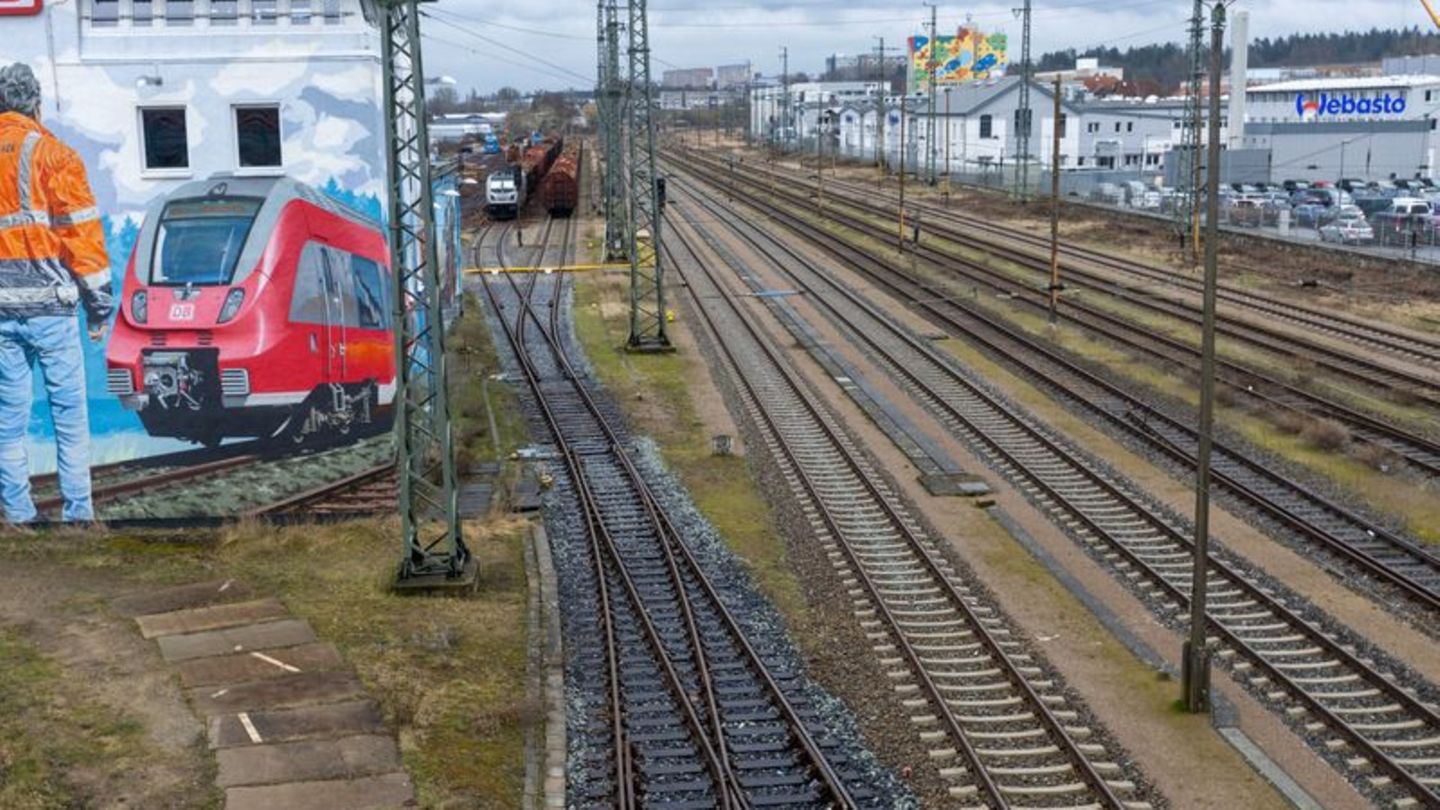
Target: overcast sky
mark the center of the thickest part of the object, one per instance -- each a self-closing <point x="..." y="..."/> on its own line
<point x="551" y="43"/>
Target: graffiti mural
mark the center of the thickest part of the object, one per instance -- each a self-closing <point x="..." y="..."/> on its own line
<point x="239" y="193"/>
<point x="969" y="55"/>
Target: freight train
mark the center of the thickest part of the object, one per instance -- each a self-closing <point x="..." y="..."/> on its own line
<point x="255" y="308"/>
<point x="507" y="190"/>
<point x="560" y="190"/>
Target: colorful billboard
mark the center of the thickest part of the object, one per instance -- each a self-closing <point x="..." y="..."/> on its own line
<point x="970" y="55"/>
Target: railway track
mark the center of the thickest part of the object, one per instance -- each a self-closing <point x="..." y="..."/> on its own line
<point x="996" y="717"/>
<point x="697" y="716"/>
<point x="1368" y="719"/>
<point x="1032" y="251"/>
<point x="1258" y="386"/>
<point x="1315" y="521"/>
<point x="368" y="492"/>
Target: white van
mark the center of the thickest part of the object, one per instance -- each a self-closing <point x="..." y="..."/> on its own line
<point x="1409" y="205"/>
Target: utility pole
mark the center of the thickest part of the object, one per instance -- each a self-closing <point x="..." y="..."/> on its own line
<point x="1196" y="671"/>
<point x="1187" y="204"/>
<point x="1022" y="115"/>
<point x="880" y="112"/>
<point x="900" y="230"/>
<point x="785" y="125"/>
<point x="1055" y="206"/>
<point x="931" y="63"/>
<point x="947" y="147"/>
<point x="435" y="555"/>
<point x="647" y="275"/>
<point x="617" y="215"/>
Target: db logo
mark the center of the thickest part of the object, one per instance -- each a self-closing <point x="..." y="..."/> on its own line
<point x="20" y="8"/>
<point x="182" y="312"/>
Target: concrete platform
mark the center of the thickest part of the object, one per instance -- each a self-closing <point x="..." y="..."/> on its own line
<point x="200" y="594"/>
<point x="307" y="761"/>
<point x="258" y="666"/>
<point x="215" y="617"/>
<point x="372" y="793"/>
<point x="288" y="725"/>
<point x="266" y="636"/>
<point x="287" y="692"/>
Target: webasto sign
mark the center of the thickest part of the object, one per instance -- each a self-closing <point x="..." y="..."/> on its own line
<point x="1326" y="104"/>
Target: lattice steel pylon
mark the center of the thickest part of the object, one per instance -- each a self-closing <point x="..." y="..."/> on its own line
<point x="1187" y="172"/>
<point x="1023" y="115"/>
<point x="434" y="551"/>
<point x="647" y="274"/>
<point x="612" y="111"/>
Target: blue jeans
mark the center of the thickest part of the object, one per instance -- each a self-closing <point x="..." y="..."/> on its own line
<point x="53" y="341"/>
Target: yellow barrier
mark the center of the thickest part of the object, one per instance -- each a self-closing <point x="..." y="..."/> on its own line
<point x="568" y="268"/>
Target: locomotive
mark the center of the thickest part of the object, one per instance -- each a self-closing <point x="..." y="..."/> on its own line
<point x="507" y="189"/>
<point x="255" y="307"/>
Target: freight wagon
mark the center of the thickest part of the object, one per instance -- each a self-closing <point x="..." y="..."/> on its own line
<point x="560" y="190"/>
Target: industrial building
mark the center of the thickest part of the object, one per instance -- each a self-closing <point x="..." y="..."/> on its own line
<point x="688" y="78"/>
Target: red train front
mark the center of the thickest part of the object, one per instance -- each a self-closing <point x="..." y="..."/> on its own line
<point x="255" y="308"/>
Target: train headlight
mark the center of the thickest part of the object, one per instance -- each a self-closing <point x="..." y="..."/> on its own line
<point x="140" y="306"/>
<point x="233" y="300"/>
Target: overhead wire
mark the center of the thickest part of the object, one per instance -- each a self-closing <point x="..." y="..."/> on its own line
<point x="498" y="44"/>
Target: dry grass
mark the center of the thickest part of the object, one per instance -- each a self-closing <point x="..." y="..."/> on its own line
<point x="448" y="672"/>
<point x="1325" y="434"/>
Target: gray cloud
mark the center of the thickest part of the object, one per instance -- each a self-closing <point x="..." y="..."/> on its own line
<point x="691" y="33"/>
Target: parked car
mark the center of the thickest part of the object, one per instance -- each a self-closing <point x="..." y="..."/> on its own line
<point x="1307" y="215"/>
<point x="1246" y="211"/>
<point x="1348" y="228"/>
<point x="1403" y="230"/>
<point x="1410" y="205"/>
<point x="1351" y="184"/>
<point x="1294" y="185"/>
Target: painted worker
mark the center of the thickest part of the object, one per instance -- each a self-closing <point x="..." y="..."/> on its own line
<point x="52" y="260"/>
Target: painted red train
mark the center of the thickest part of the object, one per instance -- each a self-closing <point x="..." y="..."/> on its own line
<point x="255" y="308"/>
<point x="560" y="190"/>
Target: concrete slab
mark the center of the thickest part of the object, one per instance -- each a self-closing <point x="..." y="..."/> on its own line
<point x="305" y="723"/>
<point x="256" y="665"/>
<point x="371" y="793"/>
<point x="215" y="617"/>
<point x="199" y="594"/>
<point x="265" y="636"/>
<point x="307" y="761"/>
<point x="290" y="691"/>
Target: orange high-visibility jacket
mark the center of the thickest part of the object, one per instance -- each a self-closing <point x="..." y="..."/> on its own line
<point x="52" y="245"/>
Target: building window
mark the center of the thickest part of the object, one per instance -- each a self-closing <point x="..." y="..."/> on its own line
<point x="104" y="13"/>
<point x="1427" y="95"/>
<point x="1080" y="161"/>
<point x="257" y="137"/>
<point x="1117" y="126"/>
<point x="1129" y="126"/>
<point x="224" y="12"/>
<point x="179" y="12"/>
<point x="332" y="12"/>
<point x="987" y="126"/>
<point x="263" y="12"/>
<point x="1023" y="120"/>
<point x="1432" y="124"/>
<point x="141" y="13"/>
<point x="163" y="139"/>
<point x="299" y="12"/>
<point x="1062" y="121"/>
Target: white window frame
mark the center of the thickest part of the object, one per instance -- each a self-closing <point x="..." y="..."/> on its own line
<point x="256" y="171"/>
<point x="163" y="174"/>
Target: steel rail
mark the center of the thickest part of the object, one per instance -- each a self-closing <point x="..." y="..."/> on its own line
<point x="1421" y="452"/>
<point x="671" y="544"/>
<point x="319" y="494"/>
<point x="1082" y="766"/>
<point x="1410" y="344"/>
<point x="938" y="309"/>
<point x="1222" y="573"/>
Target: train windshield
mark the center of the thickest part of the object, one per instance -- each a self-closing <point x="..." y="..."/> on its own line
<point x="199" y="241"/>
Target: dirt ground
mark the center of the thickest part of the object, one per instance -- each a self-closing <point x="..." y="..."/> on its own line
<point x="100" y="719"/>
